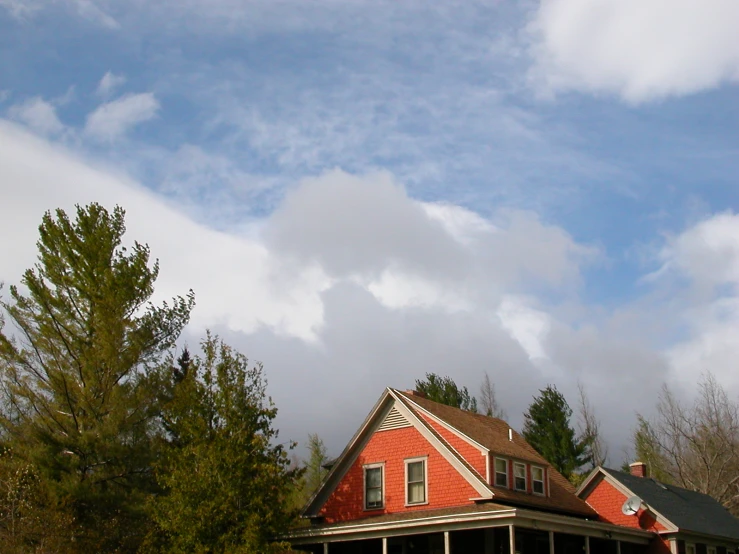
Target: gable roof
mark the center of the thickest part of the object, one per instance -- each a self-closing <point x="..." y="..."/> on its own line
<point x="387" y="401"/>
<point x="492" y="433"/>
<point x="687" y="510"/>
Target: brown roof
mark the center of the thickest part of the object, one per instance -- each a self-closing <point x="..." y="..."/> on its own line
<point x="492" y="433"/>
<point x="412" y="516"/>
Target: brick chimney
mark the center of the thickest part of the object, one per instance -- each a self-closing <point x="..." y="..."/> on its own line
<point x="415" y="393"/>
<point x="638" y="469"/>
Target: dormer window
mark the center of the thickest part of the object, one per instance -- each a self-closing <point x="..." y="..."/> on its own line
<point x="519" y="476"/>
<point x="501" y="472"/>
<point x="537" y="480"/>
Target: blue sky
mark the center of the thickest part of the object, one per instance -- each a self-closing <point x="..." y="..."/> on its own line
<point x="541" y="190"/>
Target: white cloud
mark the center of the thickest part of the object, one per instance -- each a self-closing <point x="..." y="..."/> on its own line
<point x="113" y="119"/>
<point x="109" y="83"/>
<point x="526" y="324"/>
<point x="38" y="114"/>
<point x="640" y="50"/>
<point x="707" y="253"/>
<point x="237" y="281"/>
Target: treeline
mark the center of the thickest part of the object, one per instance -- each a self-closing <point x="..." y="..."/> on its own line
<point x="108" y="443"/>
<point x="693" y="445"/>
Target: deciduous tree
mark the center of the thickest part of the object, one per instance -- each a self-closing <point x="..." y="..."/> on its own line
<point x="696" y="445"/>
<point x="445" y="391"/>
<point x="488" y="400"/>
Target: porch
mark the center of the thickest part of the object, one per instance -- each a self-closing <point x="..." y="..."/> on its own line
<point x="486" y="530"/>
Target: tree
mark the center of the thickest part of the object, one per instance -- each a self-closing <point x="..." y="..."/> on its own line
<point x="695" y="446"/>
<point x="226" y="482"/>
<point x="314" y="470"/>
<point x="74" y="373"/>
<point x="597" y="450"/>
<point x="547" y="428"/>
<point x="488" y="400"/>
<point x="445" y="391"/>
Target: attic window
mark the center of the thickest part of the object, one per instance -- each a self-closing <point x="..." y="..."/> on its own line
<point x="519" y="476"/>
<point x="501" y="472"/>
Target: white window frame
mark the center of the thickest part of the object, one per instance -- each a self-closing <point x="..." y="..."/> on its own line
<point x="710" y="550"/>
<point x="689" y="548"/>
<point x="409" y="461"/>
<point x="381" y="466"/>
<point x="525" y="477"/>
<point x="542" y="481"/>
<point x="496" y="473"/>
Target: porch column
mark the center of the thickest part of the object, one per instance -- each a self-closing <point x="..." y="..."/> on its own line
<point x="618" y="547"/>
<point x="447" y="543"/>
<point x="325" y="548"/>
<point x="551" y="542"/>
<point x="512" y="538"/>
<point x="384" y="545"/>
<point x="587" y="544"/>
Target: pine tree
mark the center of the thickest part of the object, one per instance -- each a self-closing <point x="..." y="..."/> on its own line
<point x="74" y="371"/>
<point x="227" y="482"/>
<point x="314" y="470"/>
<point x="547" y="428"/>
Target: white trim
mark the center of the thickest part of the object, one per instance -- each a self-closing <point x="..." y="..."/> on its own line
<point x="525" y="477"/>
<point x="670" y="527"/>
<point x="365" y="467"/>
<point x="689" y="545"/>
<point x="487" y="469"/>
<point x="710" y="549"/>
<point x="468" y="473"/>
<point x="496" y="472"/>
<point x="407" y="462"/>
<point x="523" y="518"/>
<point x="542" y="481"/>
<point x="453" y="430"/>
<point x="349" y="455"/>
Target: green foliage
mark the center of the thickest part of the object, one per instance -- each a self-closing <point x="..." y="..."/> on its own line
<point x="226" y="483"/>
<point x="445" y="391"/>
<point x="79" y="406"/>
<point x="547" y="428"/>
<point x="314" y="470"/>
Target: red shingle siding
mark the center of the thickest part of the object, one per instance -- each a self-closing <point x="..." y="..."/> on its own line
<point x="607" y="500"/>
<point x="470" y="453"/>
<point x="446" y="487"/>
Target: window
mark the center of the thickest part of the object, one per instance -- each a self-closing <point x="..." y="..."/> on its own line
<point x="501" y="472"/>
<point x="519" y="476"/>
<point x="415" y="481"/>
<point x="537" y="480"/>
<point x="711" y="550"/>
<point x="689" y="549"/>
<point x="373" y="486"/>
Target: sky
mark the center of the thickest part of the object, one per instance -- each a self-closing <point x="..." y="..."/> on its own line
<point x="360" y="193"/>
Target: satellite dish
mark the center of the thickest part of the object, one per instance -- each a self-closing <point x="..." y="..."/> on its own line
<point x="631" y="506"/>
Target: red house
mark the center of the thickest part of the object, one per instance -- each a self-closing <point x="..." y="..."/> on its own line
<point x="684" y="521"/>
<point x="420" y="477"/>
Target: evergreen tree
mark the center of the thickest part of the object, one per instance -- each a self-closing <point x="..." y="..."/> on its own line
<point x="227" y="483"/>
<point x="547" y="428"/>
<point x="314" y="470"/>
<point x="74" y="372"/>
<point x="445" y="391"/>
